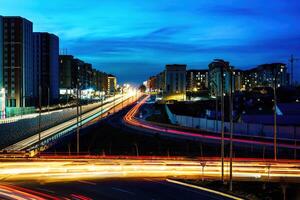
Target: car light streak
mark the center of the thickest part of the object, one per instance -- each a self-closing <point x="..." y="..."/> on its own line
<point x="83" y="169"/>
<point x="130" y="119"/>
<point x="66" y="126"/>
<point x="19" y="193"/>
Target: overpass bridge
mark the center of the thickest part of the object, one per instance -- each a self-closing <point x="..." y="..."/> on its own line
<point x="40" y="141"/>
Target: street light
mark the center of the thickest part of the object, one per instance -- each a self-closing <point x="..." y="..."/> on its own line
<point x="275" y="116"/>
<point x="40" y="110"/>
<point x="216" y="117"/>
<point x="231" y="127"/>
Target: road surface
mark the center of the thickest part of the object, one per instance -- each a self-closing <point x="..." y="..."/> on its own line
<point x="130" y="189"/>
<point x="66" y="126"/>
<point x="133" y="121"/>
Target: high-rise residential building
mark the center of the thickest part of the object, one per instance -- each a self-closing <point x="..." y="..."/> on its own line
<point x="266" y="75"/>
<point x="86" y="73"/>
<point x="219" y="76"/>
<point x="175" y="82"/>
<point x="17" y="62"/>
<point x="112" y="84"/>
<point x="103" y="82"/>
<point x="78" y="74"/>
<point x="98" y="79"/>
<point x="196" y="80"/>
<point x="238" y="79"/>
<point x="65" y="72"/>
<point x="46" y="67"/>
<point x="2" y="91"/>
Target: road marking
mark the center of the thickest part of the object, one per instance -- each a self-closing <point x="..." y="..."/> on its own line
<point x="204" y="189"/>
<point x="122" y="190"/>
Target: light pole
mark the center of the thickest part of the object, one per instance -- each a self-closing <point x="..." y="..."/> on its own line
<point x="77" y="107"/>
<point x="275" y="117"/>
<point x="231" y="127"/>
<point x="40" y="112"/>
<point x="222" y="122"/>
<point x="48" y="99"/>
<point x="216" y="120"/>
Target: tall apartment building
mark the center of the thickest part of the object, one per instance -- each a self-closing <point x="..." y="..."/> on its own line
<point x="175" y="82"/>
<point x="219" y="75"/>
<point x="78" y="78"/>
<point x="17" y="74"/>
<point x="66" y="72"/>
<point x="46" y="67"/>
<point x="196" y="80"/>
<point x="266" y="75"/>
<point x="87" y="74"/>
<point x="99" y="81"/>
<point x="111" y="84"/>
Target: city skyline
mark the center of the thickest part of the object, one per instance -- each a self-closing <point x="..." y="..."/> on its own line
<point x="246" y="34"/>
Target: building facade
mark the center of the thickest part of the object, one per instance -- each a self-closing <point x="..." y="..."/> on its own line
<point x="266" y="75"/>
<point x="65" y="72"/>
<point x="196" y="80"/>
<point x="17" y="62"/>
<point x="175" y="85"/>
<point x="111" y="84"/>
<point x="46" y="67"/>
<point x="220" y="73"/>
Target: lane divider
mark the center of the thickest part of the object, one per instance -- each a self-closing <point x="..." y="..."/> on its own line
<point x="204" y="189"/>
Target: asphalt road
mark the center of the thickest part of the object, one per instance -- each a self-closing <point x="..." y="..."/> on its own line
<point x="120" y="189"/>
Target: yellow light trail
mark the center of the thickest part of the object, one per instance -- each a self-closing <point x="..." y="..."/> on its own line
<point x="80" y="169"/>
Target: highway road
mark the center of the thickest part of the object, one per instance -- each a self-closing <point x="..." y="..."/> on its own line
<point x="130" y="189"/>
<point x="70" y="168"/>
<point x="133" y="121"/>
<point x="68" y="125"/>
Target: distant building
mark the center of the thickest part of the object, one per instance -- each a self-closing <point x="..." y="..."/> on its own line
<point x="175" y="82"/>
<point x="112" y="84"/>
<point x="238" y="79"/>
<point x="152" y="84"/>
<point x="196" y="80"/>
<point x="78" y="73"/>
<point x="75" y="73"/>
<point x="99" y="81"/>
<point x="219" y="75"/>
<point x="266" y="75"/>
<point x="46" y="67"/>
<point x="1" y="56"/>
<point x="104" y="82"/>
<point x="160" y="82"/>
<point x="16" y="65"/>
<point x="66" y="72"/>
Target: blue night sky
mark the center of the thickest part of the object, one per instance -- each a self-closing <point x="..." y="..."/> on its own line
<point x="135" y="39"/>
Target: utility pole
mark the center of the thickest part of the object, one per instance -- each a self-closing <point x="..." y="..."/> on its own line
<point x="222" y="123"/>
<point x="114" y="101"/>
<point x="275" y="116"/>
<point x="48" y="99"/>
<point x="77" y="107"/>
<point x="40" y="112"/>
<point x="231" y="127"/>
